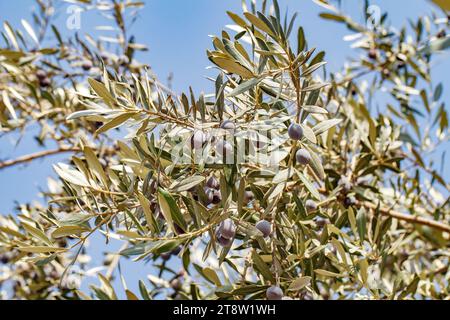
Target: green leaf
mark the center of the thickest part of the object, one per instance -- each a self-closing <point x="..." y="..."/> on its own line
<point x="262" y="267"/>
<point x="116" y="122"/>
<point x="71" y="175"/>
<point x="299" y="283"/>
<point x="326" y="125"/>
<point x="170" y="210"/>
<point x="245" y="86"/>
<point x="212" y="276"/>
<point x="102" y="92"/>
<point x="309" y="185"/>
<point x="65" y="231"/>
<point x="186" y="184"/>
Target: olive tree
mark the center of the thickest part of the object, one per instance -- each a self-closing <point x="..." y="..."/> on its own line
<point x="285" y="182"/>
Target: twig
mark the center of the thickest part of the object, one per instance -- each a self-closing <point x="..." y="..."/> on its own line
<point x="402" y="216"/>
<point x="407" y="217"/>
<point x="34" y="156"/>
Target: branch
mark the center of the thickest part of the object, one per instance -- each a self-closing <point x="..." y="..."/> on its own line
<point x="407" y="217"/>
<point x="402" y="216"/>
<point x="37" y="155"/>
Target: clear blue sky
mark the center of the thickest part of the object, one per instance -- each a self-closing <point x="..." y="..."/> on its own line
<point x="176" y="32"/>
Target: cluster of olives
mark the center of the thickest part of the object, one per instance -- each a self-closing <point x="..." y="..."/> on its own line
<point x="223" y="147"/>
<point x="44" y="80"/>
<point x="346" y="186"/>
<point x="226" y="232"/>
<point x="295" y="132"/>
<point x="212" y="192"/>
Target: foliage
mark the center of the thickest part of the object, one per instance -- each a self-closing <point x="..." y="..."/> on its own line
<point x="351" y="206"/>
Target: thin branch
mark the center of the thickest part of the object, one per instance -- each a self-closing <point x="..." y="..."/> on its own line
<point x="402" y="216"/>
<point x="37" y="155"/>
<point x="407" y="217"/>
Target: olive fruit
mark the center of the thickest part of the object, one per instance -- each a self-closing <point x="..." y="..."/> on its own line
<point x="217" y="197"/>
<point x="303" y="156"/>
<point x="44" y="83"/>
<point x="86" y="65"/>
<point x="227" y="229"/>
<point x="197" y="140"/>
<point x="228" y="125"/>
<point x="373" y="54"/>
<point x="4" y="258"/>
<point x="310" y="205"/>
<point x="224" y="242"/>
<point x="178" y="229"/>
<point x="213" y="183"/>
<point x="248" y="197"/>
<point x="274" y="293"/>
<point x="176" y="284"/>
<point x="349" y="201"/>
<point x="322" y="222"/>
<point x="165" y="256"/>
<point x="441" y="34"/>
<point x="265" y="227"/>
<point x="176" y="251"/>
<point x="295" y="132"/>
<point x="209" y="196"/>
<point x="41" y="74"/>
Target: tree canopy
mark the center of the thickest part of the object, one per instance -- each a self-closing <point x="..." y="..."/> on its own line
<point x="287" y="181"/>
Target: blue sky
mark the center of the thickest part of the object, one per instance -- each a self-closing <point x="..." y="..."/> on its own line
<point x="176" y="32"/>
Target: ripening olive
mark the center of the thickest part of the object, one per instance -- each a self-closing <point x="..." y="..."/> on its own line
<point x="303" y="156"/>
<point x="4" y="258"/>
<point x="177" y="250"/>
<point x="217" y="197"/>
<point x="349" y="201"/>
<point x="209" y="196"/>
<point x="295" y="132"/>
<point x="373" y="54"/>
<point x="213" y="183"/>
<point x="265" y="227"/>
<point x="248" y="197"/>
<point x="86" y="65"/>
<point x="41" y="74"/>
<point x="228" y="125"/>
<point x="310" y="205"/>
<point x="178" y="229"/>
<point x="176" y="284"/>
<point x="274" y="293"/>
<point x="44" y="83"/>
<point x="224" y="242"/>
<point x="165" y="256"/>
<point x="197" y="140"/>
<point x="227" y="229"/>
